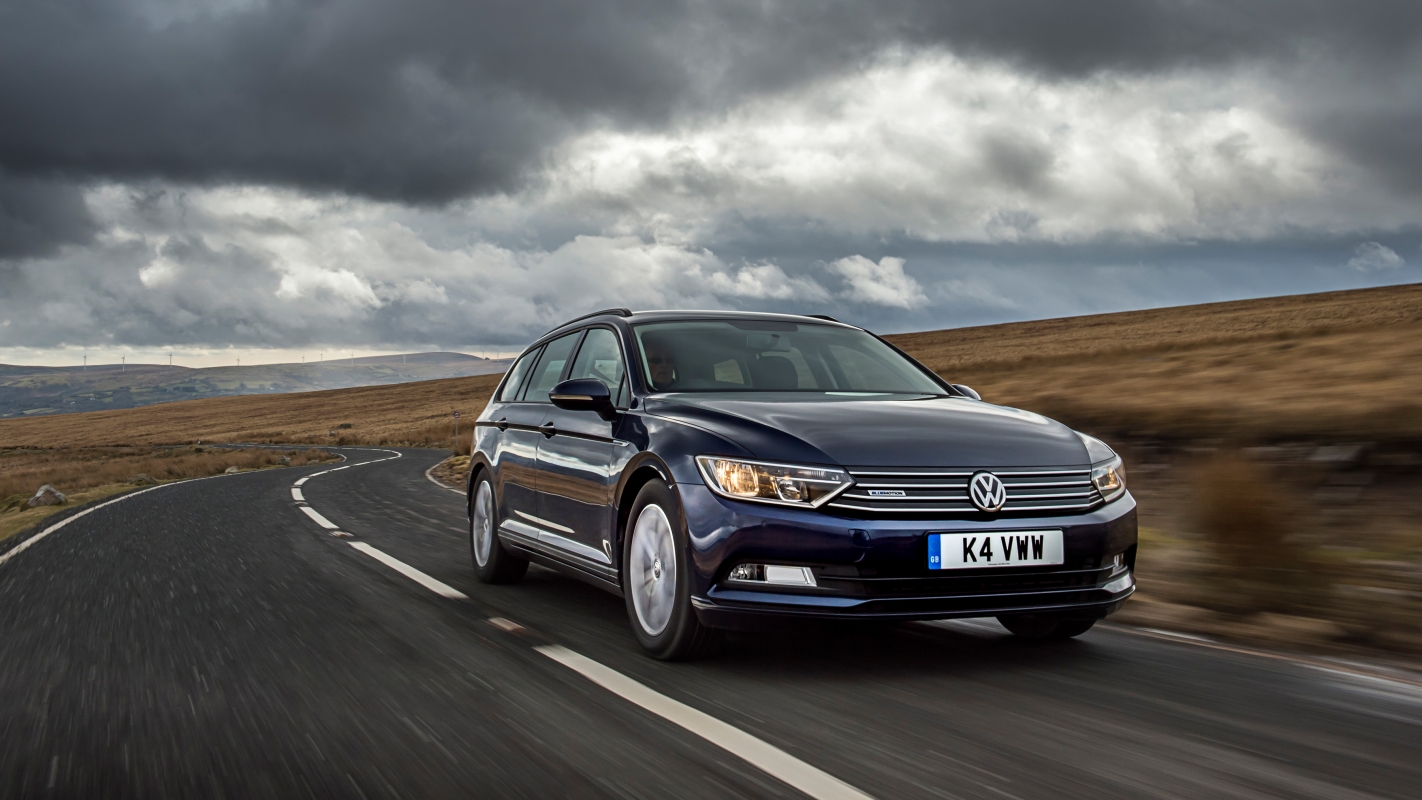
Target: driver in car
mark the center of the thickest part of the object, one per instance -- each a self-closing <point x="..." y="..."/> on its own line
<point x="661" y="364"/>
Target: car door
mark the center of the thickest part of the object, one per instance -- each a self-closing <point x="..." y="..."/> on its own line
<point x="510" y="437"/>
<point x="575" y="481"/>
<point x="522" y="436"/>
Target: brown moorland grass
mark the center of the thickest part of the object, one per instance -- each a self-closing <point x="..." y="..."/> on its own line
<point x="409" y="413"/>
<point x="1338" y="364"/>
<point x="22" y="472"/>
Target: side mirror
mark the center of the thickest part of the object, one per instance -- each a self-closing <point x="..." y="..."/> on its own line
<point x="966" y="391"/>
<point x="584" y="394"/>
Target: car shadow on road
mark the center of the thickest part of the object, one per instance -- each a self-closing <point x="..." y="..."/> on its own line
<point x="899" y="649"/>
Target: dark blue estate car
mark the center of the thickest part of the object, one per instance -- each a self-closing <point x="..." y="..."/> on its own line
<point x="729" y="470"/>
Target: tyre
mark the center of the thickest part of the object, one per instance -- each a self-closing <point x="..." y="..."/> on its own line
<point x="656" y="579"/>
<point x="492" y="563"/>
<point x="1045" y="627"/>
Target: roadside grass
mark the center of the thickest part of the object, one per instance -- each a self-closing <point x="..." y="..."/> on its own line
<point x="15" y="521"/>
<point x="453" y="471"/>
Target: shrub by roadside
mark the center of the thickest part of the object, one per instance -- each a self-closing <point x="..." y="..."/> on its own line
<point x="453" y="471"/>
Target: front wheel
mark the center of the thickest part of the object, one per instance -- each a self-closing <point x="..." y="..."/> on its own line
<point x="492" y="563"/>
<point x="656" y="579"/>
<point x="1045" y="627"/>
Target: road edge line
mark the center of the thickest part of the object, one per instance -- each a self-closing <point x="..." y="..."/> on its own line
<point x="440" y="484"/>
<point x="764" y="756"/>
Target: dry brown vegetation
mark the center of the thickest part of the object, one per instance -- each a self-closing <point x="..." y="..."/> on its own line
<point x="22" y="472"/>
<point x="1340" y="364"/>
<point x="410" y="413"/>
<point x="1324" y="365"/>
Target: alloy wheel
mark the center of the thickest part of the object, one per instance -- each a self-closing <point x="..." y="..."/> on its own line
<point x="482" y="524"/>
<point x="653" y="569"/>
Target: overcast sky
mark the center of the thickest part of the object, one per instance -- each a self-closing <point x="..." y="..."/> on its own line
<point x="285" y="177"/>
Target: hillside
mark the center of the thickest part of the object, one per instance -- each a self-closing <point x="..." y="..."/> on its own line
<point x="1336" y="365"/>
<point x="29" y="391"/>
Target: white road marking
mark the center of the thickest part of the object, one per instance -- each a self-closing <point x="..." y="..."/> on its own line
<point x="296" y="495"/>
<point x="506" y="625"/>
<point x="320" y="520"/>
<point x="765" y="756"/>
<point x="305" y="479"/>
<point x="410" y="572"/>
<point x="1178" y="635"/>
<point x="25" y="545"/>
<point x="436" y="482"/>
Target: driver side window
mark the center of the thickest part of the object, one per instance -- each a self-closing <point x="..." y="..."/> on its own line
<point x="601" y="357"/>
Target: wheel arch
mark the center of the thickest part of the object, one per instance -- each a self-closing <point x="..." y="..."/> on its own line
<point x="477" y="465"/>
<point x="635" y="477"/>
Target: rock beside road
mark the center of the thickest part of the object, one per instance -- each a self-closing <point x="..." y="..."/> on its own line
<point x="230" y="471"/>
<point x="142" y="479"/>
<point x="47" y="496"/>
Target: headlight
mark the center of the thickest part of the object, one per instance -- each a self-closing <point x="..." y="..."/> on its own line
<point x="782" y="484"/>
<point x="1110" y="479"/>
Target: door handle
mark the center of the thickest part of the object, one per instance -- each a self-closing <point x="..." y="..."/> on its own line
<point x="549" y="429"/>
<point x="503" y="424"/>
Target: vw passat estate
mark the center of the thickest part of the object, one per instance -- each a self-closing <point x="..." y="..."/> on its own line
<point x="730" y="470"/>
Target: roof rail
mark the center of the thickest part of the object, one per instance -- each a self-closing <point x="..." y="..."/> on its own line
<point x="621" y="312"/>
<point x="822" y="316"/>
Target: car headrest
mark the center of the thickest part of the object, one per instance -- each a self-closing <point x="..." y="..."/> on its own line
<point x="774" y="373"/>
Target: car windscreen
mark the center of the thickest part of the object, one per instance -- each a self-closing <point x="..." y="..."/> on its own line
<point x="761" y="356"/>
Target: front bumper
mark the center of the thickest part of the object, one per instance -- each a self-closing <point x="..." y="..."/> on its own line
<point x="877" y="569"/>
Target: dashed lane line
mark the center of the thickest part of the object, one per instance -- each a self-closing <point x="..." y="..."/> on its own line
<point x="768" y="758"/>
<point x="439" y="588"/>
<point x="320" y="520"/>
<point x="765" y="756"/>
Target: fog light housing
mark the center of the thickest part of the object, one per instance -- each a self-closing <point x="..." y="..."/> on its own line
<point x="1121" y="584"/>
<point x="772" y="574"/>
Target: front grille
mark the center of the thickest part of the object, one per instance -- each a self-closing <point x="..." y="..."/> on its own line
<point x="945" y="492"/>
<point x="1082" y="574"/>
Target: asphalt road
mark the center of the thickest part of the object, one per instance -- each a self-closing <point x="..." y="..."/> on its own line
<point x="210" y="639"/>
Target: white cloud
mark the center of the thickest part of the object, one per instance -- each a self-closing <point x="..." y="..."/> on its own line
<point x="1370" y="256"/>
<point x="945" y="149"/>
<point x="884" y="283"/>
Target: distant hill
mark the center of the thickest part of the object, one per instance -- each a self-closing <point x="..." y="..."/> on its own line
<point x="31" y="391"/>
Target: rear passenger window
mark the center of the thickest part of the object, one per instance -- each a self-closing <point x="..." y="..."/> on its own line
<point x="516" y="376"/>
<point x="550" y="368"/>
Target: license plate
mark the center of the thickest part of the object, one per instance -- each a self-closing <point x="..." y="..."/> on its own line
<point x="994" y="549"/>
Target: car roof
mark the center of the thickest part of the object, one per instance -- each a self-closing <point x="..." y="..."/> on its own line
<point x="669" y="315"/>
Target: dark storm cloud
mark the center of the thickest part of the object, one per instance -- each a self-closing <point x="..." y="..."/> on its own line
<point x="36" y="216"/>
<point x="426" y="100"/>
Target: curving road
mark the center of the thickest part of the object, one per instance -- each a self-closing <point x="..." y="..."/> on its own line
<point x="211" y="639"/>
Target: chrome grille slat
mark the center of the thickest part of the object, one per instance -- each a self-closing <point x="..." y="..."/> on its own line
<point x="926" y="492"/>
